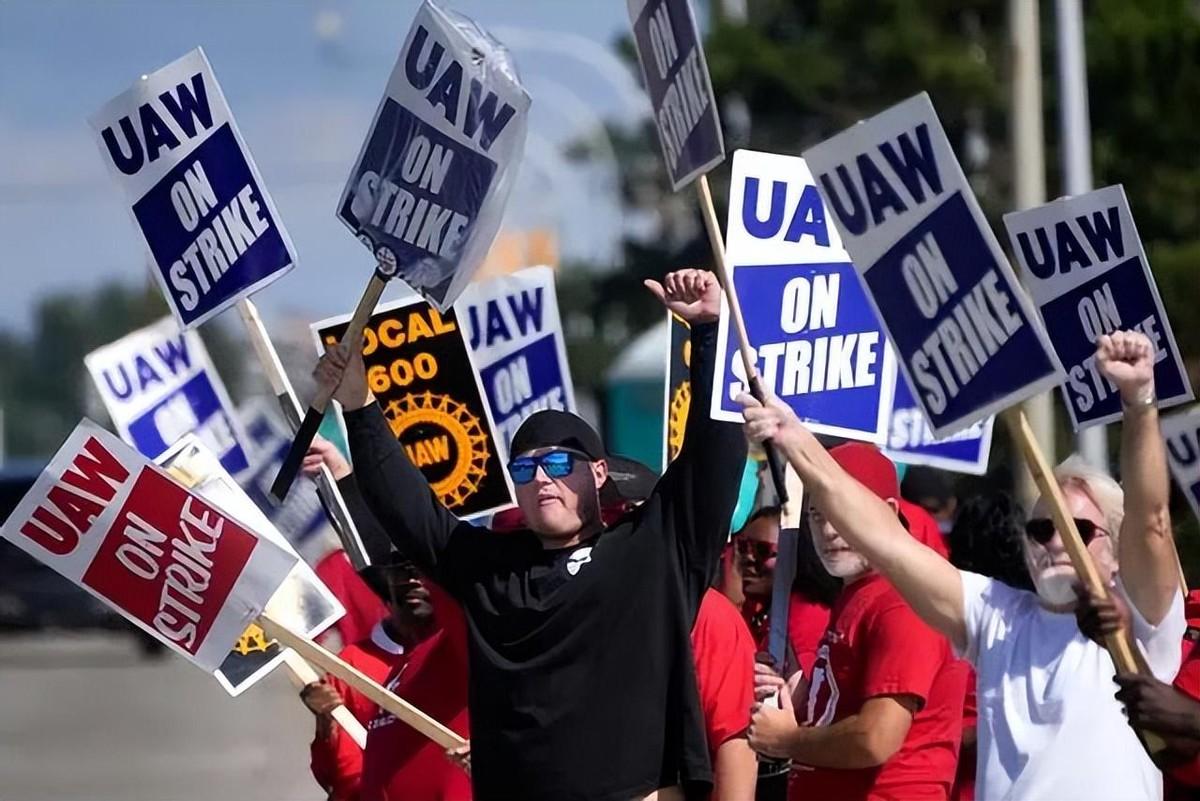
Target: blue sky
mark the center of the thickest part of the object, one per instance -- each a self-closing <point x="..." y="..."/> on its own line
<point x="303" y="79"/>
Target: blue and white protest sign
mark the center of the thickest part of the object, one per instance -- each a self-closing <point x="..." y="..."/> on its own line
<point x="816" y="340"/>
<point x="968" y="339"/>
<point x="301" y="517"/>
<point x="211" y="228"/>
<point x="158" y="384"/>
<point x="428" y="189"/>
<point x="517" y="345"/>
<point x="911" y="440"/>
<point x="1085" y="267"/>
<point x="676" y="74"/>
<point x="1182" y="434"/>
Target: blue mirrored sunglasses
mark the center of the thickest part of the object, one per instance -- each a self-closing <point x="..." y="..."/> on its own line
<point x="556" y="464"/>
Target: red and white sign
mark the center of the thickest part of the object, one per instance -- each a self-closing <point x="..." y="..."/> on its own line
<point x="118" y="526"/>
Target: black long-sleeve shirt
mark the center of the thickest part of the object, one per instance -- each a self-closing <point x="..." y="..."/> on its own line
<point x="582" y="681"/>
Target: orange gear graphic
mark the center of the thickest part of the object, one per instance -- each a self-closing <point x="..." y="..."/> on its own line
<point x="470" y="464"/>
<point x="681" y="401"/>
<point x="253" y="640"/>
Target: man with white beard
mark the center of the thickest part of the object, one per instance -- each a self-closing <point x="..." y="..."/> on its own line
<point x="1049" y="726"/>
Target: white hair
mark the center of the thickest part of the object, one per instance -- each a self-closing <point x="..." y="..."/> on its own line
<point x="1075" y="472"/>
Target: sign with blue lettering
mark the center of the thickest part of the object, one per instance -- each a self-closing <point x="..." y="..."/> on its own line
<point x="969" y="341"/>
<point x="816" y="340"/>
<point x="911" y="440"/>
<point x="301" y="517"/>
<point x="1085" y="267"/>
<point x="1182" y="433"/>
<point x="517" y="346"/>
<point x="158" y="385"/>
<point x="427" y="191"/>
<point x="676" y="74"/>
<point x="211" y="228"/>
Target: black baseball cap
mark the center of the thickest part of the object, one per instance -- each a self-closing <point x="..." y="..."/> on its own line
<point x="553" y="428"/>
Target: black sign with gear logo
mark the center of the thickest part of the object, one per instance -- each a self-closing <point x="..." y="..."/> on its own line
<point x="679" y="387"/>
<point x="419" y="369"/>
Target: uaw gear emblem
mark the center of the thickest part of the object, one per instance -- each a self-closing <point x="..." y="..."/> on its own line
<point x="444" y="440"/>
<point x="253" y="640"/>
<point x="578" y="559"/>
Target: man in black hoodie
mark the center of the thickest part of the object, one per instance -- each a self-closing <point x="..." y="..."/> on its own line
<point x="582" y="684"/>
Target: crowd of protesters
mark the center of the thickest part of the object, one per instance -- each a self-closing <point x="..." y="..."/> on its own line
<point x="606" y="640"/>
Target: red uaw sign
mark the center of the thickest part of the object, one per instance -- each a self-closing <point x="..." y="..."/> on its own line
<point x="116" y="525"/>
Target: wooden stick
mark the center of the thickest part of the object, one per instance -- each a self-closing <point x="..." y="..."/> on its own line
<point x="713" y="226"/>
<point x="403" y="710"/>
<point x="331" y="496"/>
<point x="316" y="410"/>
<point x="302" y="674"/>
<point x="1124" y="654"/>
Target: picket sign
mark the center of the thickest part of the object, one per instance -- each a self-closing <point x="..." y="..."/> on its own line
<point x="281" y="386"/>
<point x="388" y="701"/>
<point x="302" y="674"/>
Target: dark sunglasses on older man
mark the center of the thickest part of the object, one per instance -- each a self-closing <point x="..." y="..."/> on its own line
<point x="555" y="464"/>
<point x="1041" y="530"/>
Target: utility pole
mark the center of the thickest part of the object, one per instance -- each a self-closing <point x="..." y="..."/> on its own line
<point x="1076" y="156"/>
<point x="1029" y="188"/>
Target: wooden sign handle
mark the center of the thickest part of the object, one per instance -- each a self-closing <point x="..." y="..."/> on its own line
<point x="302" y="674"/>
<point x="316" y="410"/>
<point x="389" y="701"/>
<point x="331" y="497"/>
<point x="713" y="226"/>
<point x="1120" y="645"/>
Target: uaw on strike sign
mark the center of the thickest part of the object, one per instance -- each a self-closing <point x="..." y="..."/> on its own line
<point x="427" y="191"/>
<point x="967" y="336"/>
<point x="1087" y="272"/>
<point x="816" y="340"/>
<point x="420" y="371"/>
<point x="517" y="340"/>
<point x="212" y="230"/>
<point x="158" y="384"/>
<point x="184" y="571"/>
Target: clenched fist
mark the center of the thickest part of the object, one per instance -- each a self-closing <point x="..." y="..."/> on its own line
<point x="694" y="295"/>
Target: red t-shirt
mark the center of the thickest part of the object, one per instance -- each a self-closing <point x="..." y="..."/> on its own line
<point x="363" y="607"/>
<point x="400" y="764"/>
<point x="337" y="760"/>
<point x="876" y="645"/>
<point x="724" y="655"/>
<point x="1182" y="780"/>
<point x="807" y="621"/>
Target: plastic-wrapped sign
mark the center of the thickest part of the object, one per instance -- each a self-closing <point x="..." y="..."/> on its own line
<point x="428" y="189"/>
<point x="211" y="228"/>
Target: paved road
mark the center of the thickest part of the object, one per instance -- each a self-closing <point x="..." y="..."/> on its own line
<point x="83" y="717"/>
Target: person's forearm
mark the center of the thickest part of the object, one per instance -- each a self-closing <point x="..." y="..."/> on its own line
<point x="929" y="583"/>
<point x="848" y="744"/>
<point x="735" y="771"/>
<point x="1146" y="551"/>
<point x="396" y="492"/>
<point x="374" y="539"/>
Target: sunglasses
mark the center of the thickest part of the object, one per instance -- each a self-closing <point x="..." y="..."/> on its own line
<point x="555" y="464"/>
<point x="1041" y="530"/>
<point x="755" y="550"/>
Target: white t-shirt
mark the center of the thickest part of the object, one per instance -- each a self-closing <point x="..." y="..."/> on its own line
<point x="1049" y="726"/>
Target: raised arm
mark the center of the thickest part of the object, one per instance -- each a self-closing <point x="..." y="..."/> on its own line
<point x="374" y="538"/>
<point x="1145" y="549"/>
<point x="930" y="584"/>
<point x="395" y="491"/>
<point x="699" y="491"/>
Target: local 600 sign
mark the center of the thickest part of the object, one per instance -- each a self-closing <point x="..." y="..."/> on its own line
<point x="419" y="369"/>
<point x="197" y="197"/>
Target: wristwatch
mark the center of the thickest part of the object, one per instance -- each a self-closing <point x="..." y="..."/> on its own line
<point x="1141" y="404"/>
